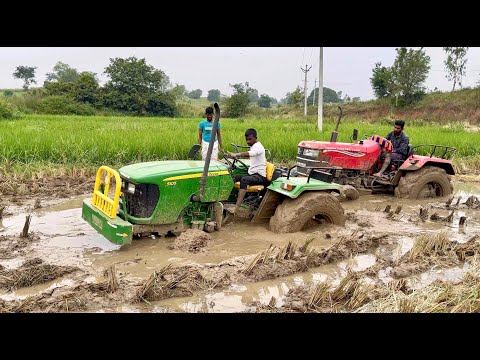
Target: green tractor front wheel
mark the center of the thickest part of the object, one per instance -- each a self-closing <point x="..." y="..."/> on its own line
<point x="293" y="214"/>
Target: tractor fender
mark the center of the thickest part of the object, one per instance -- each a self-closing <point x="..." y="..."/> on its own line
<point x="300" y="185"/>
<point x="415" y="163"/>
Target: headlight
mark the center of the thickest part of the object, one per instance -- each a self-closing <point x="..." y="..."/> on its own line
<point x="287" y="186"/>
<point x="310" y="152"/>
<point x="131" y="188"/>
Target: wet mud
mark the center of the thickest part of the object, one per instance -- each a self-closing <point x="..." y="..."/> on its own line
<point x="389" y="249"/>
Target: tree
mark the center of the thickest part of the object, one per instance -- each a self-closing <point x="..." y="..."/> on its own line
<point x="237" y="104"/>
<point x="85" y="88"/>
<point x="403" y="81"/>
<point x="295" y="98"/>
<point x="265" y="101"/>
<point x="252" y="94"/>
<point x="178" y="90"/>
<point x="27" y="74"/>
<point x="195" y="94"/>
<point x="455" y="64"/>
<point x="382" y="81"/>
<point x="63" y="73"/>
<point x="409" y="71"/>
<point x="329" y="96"/>
<point x="213" y="95"/>
<point x="132" y="83"/>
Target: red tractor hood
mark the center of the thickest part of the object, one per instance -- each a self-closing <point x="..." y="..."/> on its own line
<point x="367" y="146"/>
<point x="359" y="156"/>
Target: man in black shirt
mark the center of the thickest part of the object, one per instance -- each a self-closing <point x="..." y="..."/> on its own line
<point x="399" y="141"/>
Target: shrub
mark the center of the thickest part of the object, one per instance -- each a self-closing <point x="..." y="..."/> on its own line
<point x="8" y="110"/>
<point x="63" y="105"/>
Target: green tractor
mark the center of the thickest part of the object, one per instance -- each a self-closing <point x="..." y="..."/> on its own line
<point x="163" y="197"/>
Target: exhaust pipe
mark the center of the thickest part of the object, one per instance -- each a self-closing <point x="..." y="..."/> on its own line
<point x="209" y="153"/>
<point x="333" y="138"/>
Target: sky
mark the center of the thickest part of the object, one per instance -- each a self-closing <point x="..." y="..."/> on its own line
<point x="274" y="71"/>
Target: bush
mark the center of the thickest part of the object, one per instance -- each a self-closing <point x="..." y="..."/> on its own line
<point x="8" y="110"/>
<point x="161" y="105"/>
<point x="8" y="93"/>
<point x="237" y="105"/>
<point x="63" y="105"/>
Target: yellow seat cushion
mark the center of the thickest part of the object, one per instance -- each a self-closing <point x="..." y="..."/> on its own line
<point x="257" y="188"/>
<point x="251" y="188"/>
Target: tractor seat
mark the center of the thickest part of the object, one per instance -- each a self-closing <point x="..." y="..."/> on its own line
<point x="257" y="188"/>
<point x="410" y="150"/>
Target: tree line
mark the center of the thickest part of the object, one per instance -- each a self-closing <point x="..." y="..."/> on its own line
<point x="137" y="88"/>
<point x="403" y="82"/>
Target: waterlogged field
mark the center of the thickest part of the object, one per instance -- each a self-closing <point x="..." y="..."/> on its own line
<point x="45" y="140"/>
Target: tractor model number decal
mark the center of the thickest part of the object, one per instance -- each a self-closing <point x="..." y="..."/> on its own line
<point x="197" y="175"/>
<point x="171" y="183"/>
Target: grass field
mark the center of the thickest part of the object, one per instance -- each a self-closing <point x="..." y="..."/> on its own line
<point x="37" y="141"/>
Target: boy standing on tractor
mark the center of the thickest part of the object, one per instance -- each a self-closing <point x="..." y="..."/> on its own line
<point x="205" y="132"/>
<point x="257" y="170"/>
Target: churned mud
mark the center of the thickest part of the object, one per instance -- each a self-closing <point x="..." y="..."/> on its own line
<point x="32" y="272"/>
<point x="391" y="255"/>
<point x="192" y="240"/>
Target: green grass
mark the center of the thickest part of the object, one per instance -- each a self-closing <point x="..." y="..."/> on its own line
<point x="78" y="141"/>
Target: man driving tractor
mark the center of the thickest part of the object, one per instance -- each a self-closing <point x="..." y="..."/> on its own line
<point x="257" y="170"/>
<point x="398" y="148"/>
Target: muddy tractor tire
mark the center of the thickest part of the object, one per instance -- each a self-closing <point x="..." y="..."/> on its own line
<point x="350" y="192"/>
<point x="292" y="214"/>
<point x="429" y="181"/>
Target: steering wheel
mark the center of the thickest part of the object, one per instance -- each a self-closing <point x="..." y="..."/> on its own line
<point x="231" y="164"/>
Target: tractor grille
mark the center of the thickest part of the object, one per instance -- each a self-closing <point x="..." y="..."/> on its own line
<point x="143" y="201"/>
<point x="305" y="162"/>
<point x="308" y="161"/>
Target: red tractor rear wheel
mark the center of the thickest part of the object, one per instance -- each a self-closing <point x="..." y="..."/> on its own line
<point x="429" y="181"/>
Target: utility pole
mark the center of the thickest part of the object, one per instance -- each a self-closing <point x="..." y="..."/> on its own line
<point x="305" y="86"/>
<point x="320" y="91"/>
<point x="314" y="88"/>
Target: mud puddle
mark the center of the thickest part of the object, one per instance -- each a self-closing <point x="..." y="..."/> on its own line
<point x="66" y="240"/>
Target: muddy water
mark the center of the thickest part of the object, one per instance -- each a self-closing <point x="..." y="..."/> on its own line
<point x="65" y="239"/>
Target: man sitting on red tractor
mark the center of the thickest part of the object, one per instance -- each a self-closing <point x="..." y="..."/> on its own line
<point x="399" y="143"/>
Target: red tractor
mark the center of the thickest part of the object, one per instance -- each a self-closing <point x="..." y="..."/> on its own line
<point x="355" y="163"/>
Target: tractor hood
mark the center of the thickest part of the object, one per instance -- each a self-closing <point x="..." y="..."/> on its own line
<point x="361" y="147"/>
<point x="148" y="171"/>
<point x="360" y="156"/>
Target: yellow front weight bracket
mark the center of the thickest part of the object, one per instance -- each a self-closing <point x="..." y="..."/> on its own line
<point x="100" y="199"/>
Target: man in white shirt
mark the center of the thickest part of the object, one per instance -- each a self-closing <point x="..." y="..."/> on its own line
<point x="257" y="170"/>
